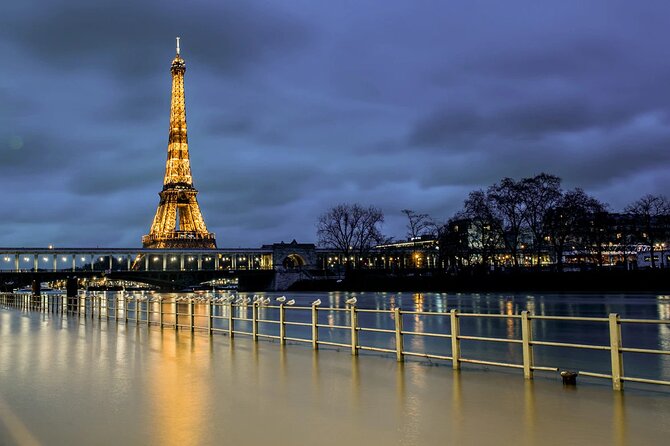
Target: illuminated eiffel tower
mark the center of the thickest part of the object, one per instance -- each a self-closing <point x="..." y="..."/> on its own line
<point x="178" y="222"/>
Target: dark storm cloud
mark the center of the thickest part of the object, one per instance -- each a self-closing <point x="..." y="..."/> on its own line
<point x="534" y="120"/>
<point x="127" y="38"/>
<point x="295" y="106"/>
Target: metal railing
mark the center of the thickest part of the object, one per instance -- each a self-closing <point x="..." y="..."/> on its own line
<point x="224" y="316"/>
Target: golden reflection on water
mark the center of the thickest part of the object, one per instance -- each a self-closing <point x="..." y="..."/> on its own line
<point x="418" y="301"/>
<point x="166" y="387"/>
<point x="510" y="325"/>
<point x="529" y="413"/>
<point x="177" y="397"/>
<point x="619" y="419"/>
<point x="355" y="384"/>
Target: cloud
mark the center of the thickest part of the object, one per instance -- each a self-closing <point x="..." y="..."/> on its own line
<point x="128" y="39"/>
<point x="296" y="106"/>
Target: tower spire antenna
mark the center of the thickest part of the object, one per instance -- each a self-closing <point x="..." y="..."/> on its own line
<point x="177" y="46"/>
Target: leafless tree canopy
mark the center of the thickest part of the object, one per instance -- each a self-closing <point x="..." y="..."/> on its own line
<point x="541" y="193"/>
<point x="570" y="221"/>
<point x="652" y="213"/>
<point x="535" y="211"/>
<point x="419" y="224"/>
<point x="350" y="228"/>
<point x="508" y="220"/>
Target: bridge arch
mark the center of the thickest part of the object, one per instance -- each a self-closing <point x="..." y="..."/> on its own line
<point x="293" y="261"/>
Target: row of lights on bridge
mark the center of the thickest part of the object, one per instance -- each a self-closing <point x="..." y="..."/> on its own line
<point x="190" y="259"/>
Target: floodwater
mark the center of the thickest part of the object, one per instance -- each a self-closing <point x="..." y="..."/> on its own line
<point x="66" y="380"/>
<point x="628" y="306"/>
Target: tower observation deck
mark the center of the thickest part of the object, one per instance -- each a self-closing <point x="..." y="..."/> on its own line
<point x="178" y="222"/>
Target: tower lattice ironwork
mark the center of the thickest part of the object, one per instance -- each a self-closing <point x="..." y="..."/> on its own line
<point x="178" y="222"/>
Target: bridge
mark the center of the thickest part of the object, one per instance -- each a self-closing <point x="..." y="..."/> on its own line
<point x="273" y="266"/>
<point x="166" y="268"/>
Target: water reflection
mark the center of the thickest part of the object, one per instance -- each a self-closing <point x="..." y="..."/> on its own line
<point x="628" y="306"/>
<point x="176" y="395"/>
<point x="66" y="379"/>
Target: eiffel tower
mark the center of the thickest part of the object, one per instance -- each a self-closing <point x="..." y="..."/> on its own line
<point x="178" y="222"/>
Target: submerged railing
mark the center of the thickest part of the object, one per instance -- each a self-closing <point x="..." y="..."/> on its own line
<point x="224" y="315"/>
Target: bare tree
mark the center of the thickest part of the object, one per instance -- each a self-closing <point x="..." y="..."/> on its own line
<point x="419" y="224"/>
<point x="508" y="208"/>
<point x="541" y="193"/>
<point x="651" y="214"/>
<point x="488" y="234"/>
<point x="351" y="229"/>
<point x="569" y="221"/>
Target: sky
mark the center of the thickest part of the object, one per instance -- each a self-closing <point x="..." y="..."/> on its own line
<point x="296" y="106"/>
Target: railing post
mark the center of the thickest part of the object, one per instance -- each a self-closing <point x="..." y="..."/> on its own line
<point x="160" y="312"/>
<point x="190" y="312"/>
<point x="282" y="327"/>
<point x="116" y="308"/>
<point x="125" y="309"/>
<point x="398" y="334"/>
<point x="315" y="328"/>
<point x="230" y="320"/>
<point x="455" y="342"/>
<point x="254" y="321"/>
<point x="176" y="314"/>
<point x="354" y="330"/>
<point x="209" y="316"/>
<point x="99" y="308"/>
<point x="615" y="351"/>
<point x="526" y="339"/>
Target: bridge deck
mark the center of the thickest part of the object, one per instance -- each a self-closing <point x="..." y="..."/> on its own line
<point x="59" y="378"/>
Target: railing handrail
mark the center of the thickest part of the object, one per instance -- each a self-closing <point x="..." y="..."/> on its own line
<point x="142" y="312"/>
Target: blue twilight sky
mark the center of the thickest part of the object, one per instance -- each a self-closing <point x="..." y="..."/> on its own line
<point x="294" y="106"/>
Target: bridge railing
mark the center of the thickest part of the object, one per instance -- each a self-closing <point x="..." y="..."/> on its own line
<point x="279" y="322"/>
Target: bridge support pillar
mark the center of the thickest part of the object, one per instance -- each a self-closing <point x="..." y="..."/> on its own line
<point x="71" y="292"/>
<point x="16" y="263"/>
<point x="37" y="287"/>
<point x="74" y="262"/>
<point x="36" y="298"/>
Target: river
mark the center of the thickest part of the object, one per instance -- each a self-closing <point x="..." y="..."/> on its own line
<point x="70" y="380"/>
